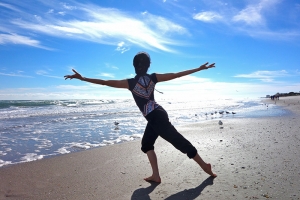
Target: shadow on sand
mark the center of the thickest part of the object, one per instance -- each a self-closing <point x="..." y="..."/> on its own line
<point x="143" y="193"/>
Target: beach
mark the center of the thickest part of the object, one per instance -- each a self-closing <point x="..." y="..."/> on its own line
<point x="254" y="158"/>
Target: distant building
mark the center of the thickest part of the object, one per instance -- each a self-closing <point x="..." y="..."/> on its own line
<point x="268" y="96"/>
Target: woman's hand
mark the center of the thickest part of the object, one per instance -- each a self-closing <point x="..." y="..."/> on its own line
<point x="75" y="75"/>
<point x="204" y="66"/>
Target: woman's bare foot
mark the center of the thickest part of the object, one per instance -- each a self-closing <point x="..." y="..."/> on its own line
<point x="153" y="179"/>
<point x="205" y="166"/>
<point x="208" y="170"/>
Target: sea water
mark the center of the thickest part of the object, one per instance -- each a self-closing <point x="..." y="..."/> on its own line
<point x="32" y="130"/>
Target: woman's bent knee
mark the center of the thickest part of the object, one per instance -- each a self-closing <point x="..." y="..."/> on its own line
<point x="192" y="152"/>
<point x="145" y="149"/>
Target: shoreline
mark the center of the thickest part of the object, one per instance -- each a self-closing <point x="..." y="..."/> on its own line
<point x="253" y="158"/>
<point x="45" y="143"/>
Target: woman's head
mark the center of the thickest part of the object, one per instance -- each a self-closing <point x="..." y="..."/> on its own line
<point x="141" y="63"/>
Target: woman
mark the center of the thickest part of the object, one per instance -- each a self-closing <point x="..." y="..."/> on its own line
<point x="142" y="88"/>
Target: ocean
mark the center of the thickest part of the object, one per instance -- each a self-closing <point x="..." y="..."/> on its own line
<point x="32" y="130"/>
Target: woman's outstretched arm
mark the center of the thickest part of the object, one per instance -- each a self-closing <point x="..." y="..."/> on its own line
<point x="170" y="76"/>
<point x="111" y="83"/>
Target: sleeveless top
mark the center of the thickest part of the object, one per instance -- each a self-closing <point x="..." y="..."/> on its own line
<point x="142" y="89"/>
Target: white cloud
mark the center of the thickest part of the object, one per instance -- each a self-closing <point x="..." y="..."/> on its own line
<point x="163" y="25"/>
<point x="9" y="7"/>
<point x="100" y="25"/>
<point x="122" y="47"/>
<point x="46" y="74"/>
<point x="68" y="7"/>
<point x="253" y="14"/>
<point x="62" y="13"/>
<point x="250" y="15"/>
<point x="65" y="29"/>
<point x="272" y="35"/>
<point x="21" y="40"/>
<point x="16" y="74"/>
<point x="107" y="75"/>
<point x="50" y="11"/>
<point x="265" y="76"/>
<point x="252" y="20"/>
<point x="208" y="16"/>
<point x="107" y="65"/>
<point x="73" y="87"/>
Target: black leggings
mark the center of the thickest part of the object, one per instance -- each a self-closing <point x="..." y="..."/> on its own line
<point x="159" y="125"/>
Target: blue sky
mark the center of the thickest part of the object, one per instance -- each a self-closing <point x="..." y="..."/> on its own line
<point x="254" y="43"/>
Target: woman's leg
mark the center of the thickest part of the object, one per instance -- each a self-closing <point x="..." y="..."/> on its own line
<point x="161" y="125"/>
<point x="153" y="162"/>
<point x="148" y="141"/>
<point x="167" y="131"/>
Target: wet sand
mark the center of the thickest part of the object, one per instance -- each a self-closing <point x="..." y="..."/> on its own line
<point x="254" y="158"/>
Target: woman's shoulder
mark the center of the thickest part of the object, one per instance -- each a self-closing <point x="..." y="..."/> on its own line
<point x="153" y="77"/>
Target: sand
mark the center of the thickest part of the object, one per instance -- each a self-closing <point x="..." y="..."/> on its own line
<point x="254" y="158"/>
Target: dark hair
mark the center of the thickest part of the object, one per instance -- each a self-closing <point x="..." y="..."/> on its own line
<point x="141" y="62"/>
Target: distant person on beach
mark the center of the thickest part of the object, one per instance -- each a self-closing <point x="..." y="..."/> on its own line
<point x="142" y="88"/>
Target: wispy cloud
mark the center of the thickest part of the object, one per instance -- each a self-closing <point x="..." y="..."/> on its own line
<point x="265" y="76"/>
<point x="163" y="25"/>
<point x="283" y="35"/>
<point x="8" y="6"/>
<point x="255" y="19"/>
<point x="253" y="13"/>
<point x="208" y="16"/>
<point x="16" y="74"/>
<point x="107" y="65"/>
<point x="21" y="40"/>
<point x="108" y="75"/>
<point x="46" y="74"/>
<point x="96" y="24"/>
<point x="73" y="87"/>
<point x="250" y="15"/>
<point x="122" y="47"/>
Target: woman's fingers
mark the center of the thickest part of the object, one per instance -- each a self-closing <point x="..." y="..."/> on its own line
<point x="66" y="77"/>
<point x="75" y="71"/>
<point x="72" y="76"/>
<point x="204" y="65"/>
<point x="212" y="65"/>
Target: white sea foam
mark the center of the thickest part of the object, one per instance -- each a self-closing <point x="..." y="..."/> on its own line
<point x="2" y="163"/>
<point x="31" y="157"/>
<point x="84" y="145"/>
<point x="63" y="150"/>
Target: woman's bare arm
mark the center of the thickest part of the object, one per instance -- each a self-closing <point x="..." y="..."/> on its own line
<point x="170" y="76"/>
<point x="110" y="83"/>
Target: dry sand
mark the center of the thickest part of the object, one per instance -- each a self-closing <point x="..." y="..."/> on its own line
<point x="253" y="158"/>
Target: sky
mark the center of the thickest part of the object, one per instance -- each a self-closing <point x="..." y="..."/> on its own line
<point x="254" y="43"/>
